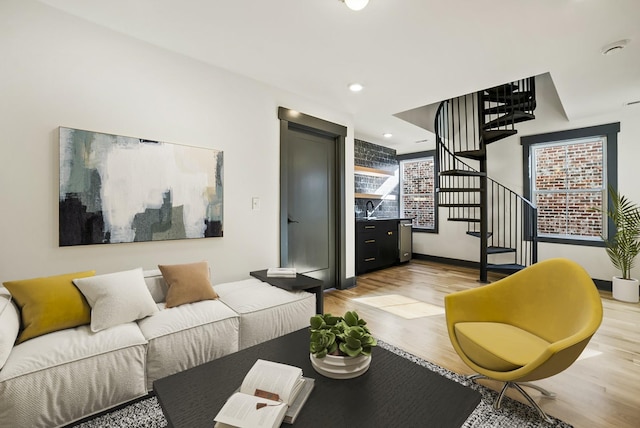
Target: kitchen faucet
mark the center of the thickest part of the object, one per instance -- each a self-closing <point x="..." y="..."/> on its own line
<point x="369" y="213"/>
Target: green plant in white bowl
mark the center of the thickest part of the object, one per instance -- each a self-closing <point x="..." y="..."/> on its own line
<point x="347" y="335"/>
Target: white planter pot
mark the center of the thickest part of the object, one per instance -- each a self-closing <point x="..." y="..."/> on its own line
<point x="339" y="367"/>
<point x="625" y="289"/>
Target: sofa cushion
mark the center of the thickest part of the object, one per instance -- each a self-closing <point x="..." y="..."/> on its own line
<point x="187" y="283"/>
<point x="116" y="298"/>
<point x="63" y="376"/>
<point x="266" y="312"/>
<point x="49" y="304"/>
<point x="9" y="325"/>
<point x="187" y="336"/>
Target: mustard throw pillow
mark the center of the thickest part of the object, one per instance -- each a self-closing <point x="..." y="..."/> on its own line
<point x="187" y="283"/>
<point x="49" y="304"/>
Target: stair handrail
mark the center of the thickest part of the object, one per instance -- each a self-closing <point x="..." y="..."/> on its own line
<point x="519" y="196"/>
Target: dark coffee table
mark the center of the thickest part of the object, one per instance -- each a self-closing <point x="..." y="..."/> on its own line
<point x="395" y="392"/>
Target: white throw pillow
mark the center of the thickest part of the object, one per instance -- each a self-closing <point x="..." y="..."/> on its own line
<point x="116" y="298"/>
<point x="9" y="325"/>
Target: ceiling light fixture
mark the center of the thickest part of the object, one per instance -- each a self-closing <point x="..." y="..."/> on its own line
<point x="356" y="4"/>
<point x="356" y="87"/>
<point x="387" y="135"/>
<point x="614" y="47"/>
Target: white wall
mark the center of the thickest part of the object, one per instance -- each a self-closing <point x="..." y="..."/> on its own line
<point x="58" y="70"/>
<point x="505" y="165"/>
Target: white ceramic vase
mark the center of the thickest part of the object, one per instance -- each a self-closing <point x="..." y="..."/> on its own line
<point x="340" y="367"/>
<point x="625" y="289"/>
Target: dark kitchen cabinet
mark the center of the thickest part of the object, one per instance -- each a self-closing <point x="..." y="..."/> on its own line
<point x="376" y="244"/>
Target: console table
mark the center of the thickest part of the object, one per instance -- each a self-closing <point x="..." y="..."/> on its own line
<point x="300" y="282"/>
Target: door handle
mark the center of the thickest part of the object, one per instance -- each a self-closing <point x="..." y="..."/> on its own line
<point x="289" y="221"/>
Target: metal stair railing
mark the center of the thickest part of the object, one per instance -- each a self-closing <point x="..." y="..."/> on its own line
<point x="512" y="220"/>
<point x="508" y="227"/>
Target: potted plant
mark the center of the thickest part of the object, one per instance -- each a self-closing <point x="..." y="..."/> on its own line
<point x="623" y="247"/>
<point x="340" y="347"/>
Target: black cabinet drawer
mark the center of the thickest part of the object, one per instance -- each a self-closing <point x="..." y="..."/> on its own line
<point x="366" y="226"/>
<point x="376" y="244"/>
<point x="369" y="263"/>
<point x="367" y="251"/>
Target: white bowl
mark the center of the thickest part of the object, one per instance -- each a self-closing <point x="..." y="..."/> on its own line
<point x="341" y="367"/>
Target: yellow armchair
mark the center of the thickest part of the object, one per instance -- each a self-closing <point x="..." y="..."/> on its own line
<point x="528" y="326"/>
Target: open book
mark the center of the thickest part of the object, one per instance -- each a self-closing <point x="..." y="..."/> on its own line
<point x="270" y="394"/>
<point x="281" y="272"/>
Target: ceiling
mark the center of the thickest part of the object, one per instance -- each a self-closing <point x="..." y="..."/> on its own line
<point x="406" y="53"/>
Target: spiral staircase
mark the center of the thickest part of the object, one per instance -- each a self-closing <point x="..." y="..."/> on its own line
<point x="503" y="221"/>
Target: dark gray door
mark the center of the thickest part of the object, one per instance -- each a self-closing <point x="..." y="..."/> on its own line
<point x="311" y="205"/>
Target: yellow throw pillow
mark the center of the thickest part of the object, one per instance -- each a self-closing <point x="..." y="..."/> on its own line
<point x="187" y="283"/>
<point x="49" y="304"/>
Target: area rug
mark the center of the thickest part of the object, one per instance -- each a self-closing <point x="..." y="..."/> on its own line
<point x="146" y="413"/>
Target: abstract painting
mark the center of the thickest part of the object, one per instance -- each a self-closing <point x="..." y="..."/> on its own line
<point x="120" y="189"/>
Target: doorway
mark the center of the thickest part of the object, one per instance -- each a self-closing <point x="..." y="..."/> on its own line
<point x="311" y="197"/>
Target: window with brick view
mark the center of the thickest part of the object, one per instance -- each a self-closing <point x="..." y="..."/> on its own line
<point x="568" y="183"/>
<point x="566" y="175"/>
<point x="417" y="192"/>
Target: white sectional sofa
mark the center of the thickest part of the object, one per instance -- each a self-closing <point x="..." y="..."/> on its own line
<point x="63" y="376"/>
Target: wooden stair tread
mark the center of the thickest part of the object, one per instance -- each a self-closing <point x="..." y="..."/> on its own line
<point x="477" y="234"/>
<point x="460" y="205"/>
<point x="458" y="189"/>
<point x="507" y="88"/>
<point x="472" y="154"/>
<point x="510" y="98"/>
<point x="464" y="219"/>
<point x="507" y="267"/>
<point x="463" y="172"/>
<point x="509" y="118"/>
<point x="526" y="106"/>
<point x="493" y="135"/>
<point x="500" y="250"/>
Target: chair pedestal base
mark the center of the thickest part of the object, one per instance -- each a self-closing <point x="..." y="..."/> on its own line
<point x="518" y="387"/>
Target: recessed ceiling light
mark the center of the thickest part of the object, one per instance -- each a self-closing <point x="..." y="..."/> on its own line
<point x="356" y="87"/>
<point x="356" y="4"/>
<point x="614" y="47"/>
<point x="387" y="135"/>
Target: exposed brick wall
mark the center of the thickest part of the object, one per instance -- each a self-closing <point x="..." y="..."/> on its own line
<point x="379" y="157"/>
<point x="566" y="168"/>
<point x="418" y="178"/>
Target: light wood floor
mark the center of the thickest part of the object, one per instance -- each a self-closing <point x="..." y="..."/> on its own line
<point x="599" y="391"/>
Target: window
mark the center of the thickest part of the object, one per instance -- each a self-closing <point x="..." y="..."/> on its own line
<point x="418" y="173"/>
<point x="566" y="176"/>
